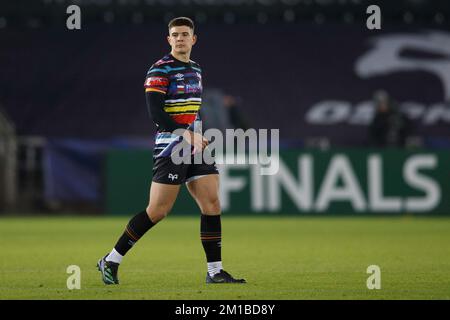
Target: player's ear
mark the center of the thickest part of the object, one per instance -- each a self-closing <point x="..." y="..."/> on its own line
<point x="168" y="39"/>
<point x="194" y="39"/>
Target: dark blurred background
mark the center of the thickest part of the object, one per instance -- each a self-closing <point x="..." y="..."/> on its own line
<point x="308" y="67"/>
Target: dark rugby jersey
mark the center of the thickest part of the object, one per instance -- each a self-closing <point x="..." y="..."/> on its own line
<point x="181" y="84"/>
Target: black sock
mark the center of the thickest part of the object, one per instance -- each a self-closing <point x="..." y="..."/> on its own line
<point x="211" y="236"/>
<point x="134" y="230"/>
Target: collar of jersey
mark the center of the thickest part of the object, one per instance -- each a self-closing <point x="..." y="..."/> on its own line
<point x="179" y="61"/>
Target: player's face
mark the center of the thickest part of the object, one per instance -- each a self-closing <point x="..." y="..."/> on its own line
<point x="181" y="39"/>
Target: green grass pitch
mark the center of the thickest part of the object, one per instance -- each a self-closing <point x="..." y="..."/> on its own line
<point x="281" y="258"/>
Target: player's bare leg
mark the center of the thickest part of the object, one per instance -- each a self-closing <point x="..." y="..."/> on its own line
<point x="205" y="191"/>
<point x="162" y="198"/>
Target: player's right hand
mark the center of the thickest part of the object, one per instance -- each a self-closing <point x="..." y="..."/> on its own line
<point x="195" y="139"/>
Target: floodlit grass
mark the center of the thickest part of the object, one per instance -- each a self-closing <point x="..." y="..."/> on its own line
<point x="281" y="258"/>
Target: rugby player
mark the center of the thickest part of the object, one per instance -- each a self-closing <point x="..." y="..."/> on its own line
<point x="173" y="89"/>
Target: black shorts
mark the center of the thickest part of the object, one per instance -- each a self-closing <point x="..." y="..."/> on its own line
<point x="165" y="171"/>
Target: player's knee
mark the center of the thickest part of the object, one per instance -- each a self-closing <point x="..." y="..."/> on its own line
<point x="213" y="206"/>
<point x="157" y="215"/>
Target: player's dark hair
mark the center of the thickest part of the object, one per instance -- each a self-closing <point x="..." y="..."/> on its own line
<point x="181" y="21"/>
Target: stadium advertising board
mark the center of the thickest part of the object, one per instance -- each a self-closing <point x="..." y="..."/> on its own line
<point x="307" y="182"/>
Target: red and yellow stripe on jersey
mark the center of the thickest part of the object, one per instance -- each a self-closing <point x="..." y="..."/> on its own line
<point x="156" y="84"/>
<point x="183" y="110"/>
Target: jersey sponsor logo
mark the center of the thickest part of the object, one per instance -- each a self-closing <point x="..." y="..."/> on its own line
<point x="156" y="82"/>
<point x="194" y="88"/>
<point x="172" y="176"/>
<point x="179" y="76"/>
